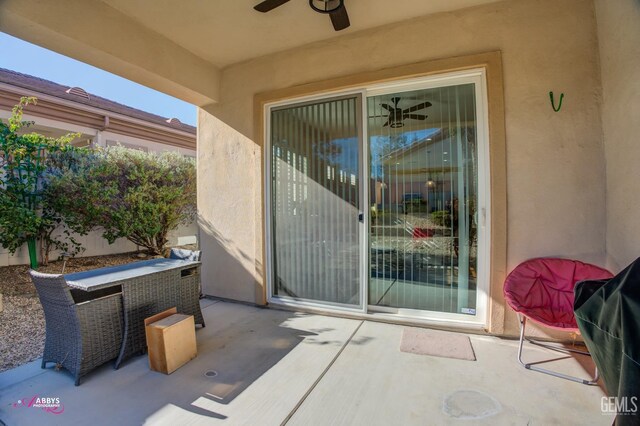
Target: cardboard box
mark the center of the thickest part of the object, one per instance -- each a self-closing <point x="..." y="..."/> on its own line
<point x="171" y="340"/>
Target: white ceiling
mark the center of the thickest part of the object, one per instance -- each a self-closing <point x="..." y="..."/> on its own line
<point x="225" y="32"/>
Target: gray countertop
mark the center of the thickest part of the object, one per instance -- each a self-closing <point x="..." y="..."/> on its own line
<point x="104" y="277"/>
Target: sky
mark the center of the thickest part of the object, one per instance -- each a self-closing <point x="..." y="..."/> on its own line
<point x="27" y="58"/>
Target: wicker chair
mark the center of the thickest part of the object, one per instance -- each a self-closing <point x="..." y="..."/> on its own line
<point x="80" y="335"/>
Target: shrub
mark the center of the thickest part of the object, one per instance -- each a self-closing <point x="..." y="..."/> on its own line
<point x="127" y="194"/>
<point x="25" y="163"/>
<point x="441" y="218"/>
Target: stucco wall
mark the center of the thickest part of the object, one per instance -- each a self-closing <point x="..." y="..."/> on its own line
<point x="229" y="210"/>
<point x="556" y="177"/>
<point x="114" y="138"/>
<point x="95" y="245"/>
<point x="619" y="39"/>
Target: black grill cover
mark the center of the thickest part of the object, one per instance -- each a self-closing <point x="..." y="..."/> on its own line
<point x="608" y="315"/>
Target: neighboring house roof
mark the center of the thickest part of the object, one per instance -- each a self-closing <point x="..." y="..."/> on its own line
<point x="410" y="159"/>
<point x="79" y="96"/>
<point x="401" y="152"/>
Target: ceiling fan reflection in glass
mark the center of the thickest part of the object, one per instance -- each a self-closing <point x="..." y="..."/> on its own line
<point x="397" y="115"/>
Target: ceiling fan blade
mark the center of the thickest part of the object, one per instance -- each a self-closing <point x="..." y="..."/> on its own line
<point x="387" y="107"/>
<point x="340" y="18"/>
<point x="417" y="107"/>
<point x="379" y="116"/>
<point x="386" y="124"/>
<point x="414" y="116"/>
<point x="268" y="5"/>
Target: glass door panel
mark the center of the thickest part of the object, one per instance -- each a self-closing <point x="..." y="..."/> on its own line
<point x="315" y="200"/>
<point x="423" y="198"/>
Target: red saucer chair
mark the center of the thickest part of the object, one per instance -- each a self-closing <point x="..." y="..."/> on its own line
<point x="541" y="290"/>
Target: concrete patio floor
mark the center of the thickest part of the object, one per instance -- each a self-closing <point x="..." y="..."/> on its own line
<point x="276" y="367"/>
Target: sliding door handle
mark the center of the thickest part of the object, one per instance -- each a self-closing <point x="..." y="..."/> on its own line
<point x="361" y="217"/>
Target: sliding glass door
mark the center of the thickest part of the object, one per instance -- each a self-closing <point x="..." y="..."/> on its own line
<point x="424" y="198"/>
<point x="315" y="201"/>
<point x="377" y="200"/>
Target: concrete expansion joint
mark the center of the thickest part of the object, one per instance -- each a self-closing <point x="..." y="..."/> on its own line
<point x="324" y="372"/>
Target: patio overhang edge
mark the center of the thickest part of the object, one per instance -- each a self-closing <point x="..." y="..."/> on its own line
<point x="86" y="31"/>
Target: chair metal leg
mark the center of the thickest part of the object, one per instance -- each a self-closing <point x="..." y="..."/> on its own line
<point x="531" y="366"/>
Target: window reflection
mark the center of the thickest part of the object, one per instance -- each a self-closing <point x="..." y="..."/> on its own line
<point x="423" y="233"/>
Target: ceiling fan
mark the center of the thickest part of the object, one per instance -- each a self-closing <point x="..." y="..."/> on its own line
<point x="334" y="8"/>
<point x="397" y="115"/>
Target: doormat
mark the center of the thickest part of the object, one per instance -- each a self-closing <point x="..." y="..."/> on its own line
<point x="436" y="343"/>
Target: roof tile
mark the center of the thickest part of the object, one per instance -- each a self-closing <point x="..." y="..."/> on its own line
<point x="50" y="88"/>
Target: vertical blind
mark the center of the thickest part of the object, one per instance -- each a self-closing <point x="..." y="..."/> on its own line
<point x="423" y="190"/>
<point x="423" y="245"/>
<point x="315" y="201"/>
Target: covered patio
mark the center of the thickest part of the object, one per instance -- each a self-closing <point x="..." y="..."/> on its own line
<point x="536" y="182"/>
<point x="316" y="253"/>
<point x="280" y="367"/>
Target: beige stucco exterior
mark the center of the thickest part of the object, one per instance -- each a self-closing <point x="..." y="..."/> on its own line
<point x="491" y="63"/>
<point x="618" y="34"/>
<point x="555" y="173"/>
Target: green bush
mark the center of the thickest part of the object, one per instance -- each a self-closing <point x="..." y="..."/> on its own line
<point x="50" y="190"/>
<point x="441" y="218"/>
<point x="25" y="164"/>
<point x="126" y="194"/>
